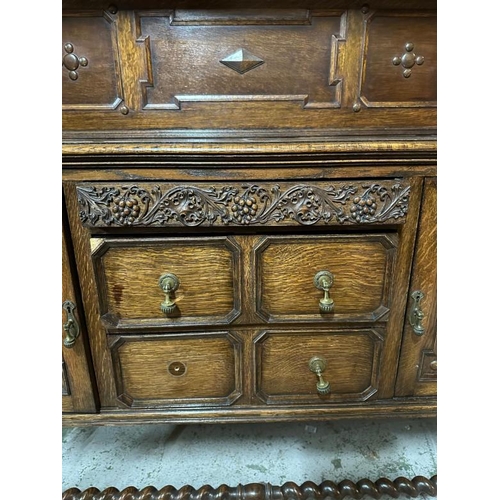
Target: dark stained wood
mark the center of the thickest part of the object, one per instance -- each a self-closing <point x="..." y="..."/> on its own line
<point x="98" y="83"/>
<point x="423" y="408"/>
<point x="103" y="368"/>
<point x="288" y="147"/>
<point x="154" y="118"/>
<point x="254" y="4"/>
<point x="195" y="43"/>
<point x="77" y="387"/>
<point x="416" y="376"/>
<point x="146" y="205"/>
<point x="417" y="486"/>
<point x="245" y="174"/>
<point x="402" y="269"/>
<point x="386" y="37"/>
<point x="362" y="267"/>
<point x="169" y="75"/>
<point x="166" y="370"/>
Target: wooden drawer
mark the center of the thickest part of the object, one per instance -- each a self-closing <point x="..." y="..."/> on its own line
<point x="362" y="266"/>
<point x="282" y="368"/>
<point x="164" y="370"/>
<point x="129" y="271"/>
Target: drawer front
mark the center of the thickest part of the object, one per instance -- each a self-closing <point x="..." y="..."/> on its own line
<point x="283" y="375"/>
<point x="289" y="268"/>
<point x="133" y="276"/>
<point x="193" y="369"/>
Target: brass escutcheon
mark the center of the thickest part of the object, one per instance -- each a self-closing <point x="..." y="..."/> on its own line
<point x="416" y="314"/>
<point x="71" y="327"/>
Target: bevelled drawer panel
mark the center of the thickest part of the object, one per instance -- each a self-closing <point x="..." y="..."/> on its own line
<point x="91" y="74"/>
<point x="164" y="370"/>
<point x="244" y="55"/>
<point x="167" y="282"/>
<point x="344" y="202"/>
<point x="325" y="278"/>
<point x="399" y="67"/>
<point x="284" y="374"/>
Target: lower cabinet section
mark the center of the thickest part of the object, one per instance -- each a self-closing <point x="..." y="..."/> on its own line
<point x="248" y="324"/>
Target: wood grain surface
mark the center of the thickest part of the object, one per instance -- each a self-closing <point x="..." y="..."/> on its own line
<point x="416" y="377"/>
<point x="283" y="375"/>
<point x="77" y="372"/>
<point x="151" y="114"/>
<point x="362" y="266"/>
<point x="129" y="269"/>
<point x="168" y="73"/>
<point x="165" y="370"/>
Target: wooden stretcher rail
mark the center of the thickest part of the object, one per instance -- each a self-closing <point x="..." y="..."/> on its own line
<point x="264" y="491"/>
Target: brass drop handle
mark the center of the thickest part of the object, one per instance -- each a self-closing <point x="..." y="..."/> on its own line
<point x="71" y="327"/>
<point x="317" y="365"/>
<point x="169" y="283"/>
<point x="416" y="314"/>
<point x="323" y="280"/>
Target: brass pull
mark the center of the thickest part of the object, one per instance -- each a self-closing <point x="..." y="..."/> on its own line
<point x="416" y="314"/>
<point x="324" y="281"/>
<point x="317" y="365"/>
<point x="169" y="283"/>
<point x="71" y="327"/>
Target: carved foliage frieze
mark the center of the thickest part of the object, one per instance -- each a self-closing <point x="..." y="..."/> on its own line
<point x="151" y="205"/>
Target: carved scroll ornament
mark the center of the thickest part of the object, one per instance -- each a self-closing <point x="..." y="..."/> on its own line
<point x="305" y="204"/>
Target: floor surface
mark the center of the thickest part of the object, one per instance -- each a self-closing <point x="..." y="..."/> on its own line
<point x="159" y="455"/>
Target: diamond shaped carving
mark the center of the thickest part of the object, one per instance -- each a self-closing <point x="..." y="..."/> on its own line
<point x="242" y="61"/>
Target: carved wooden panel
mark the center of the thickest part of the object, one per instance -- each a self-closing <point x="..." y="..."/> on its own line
<point x="151" y="205"/>
<point x="282" y="365"/>
<point x="245" y="55"/>
<point x="128" y="271"/>
<point x="91" y="75"/>
<point x="362" y="267"/>
<point x="165" y="370"/>
<point x="417" y="373"/>
<point x="399" y="66"/>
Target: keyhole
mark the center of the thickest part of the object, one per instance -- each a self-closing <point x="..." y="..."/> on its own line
<point x="177" y="369"/>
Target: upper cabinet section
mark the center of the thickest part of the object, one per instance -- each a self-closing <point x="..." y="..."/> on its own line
<point x="136" y="75"/>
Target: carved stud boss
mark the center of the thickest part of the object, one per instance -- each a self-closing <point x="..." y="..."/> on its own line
<point x="408" y="60"/>
<point x="242" y="61"/>
<point x="72" y="62"/>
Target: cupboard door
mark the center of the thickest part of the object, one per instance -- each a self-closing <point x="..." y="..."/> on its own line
<point x="77" y="390"/>
<point x="418" y="364"/>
